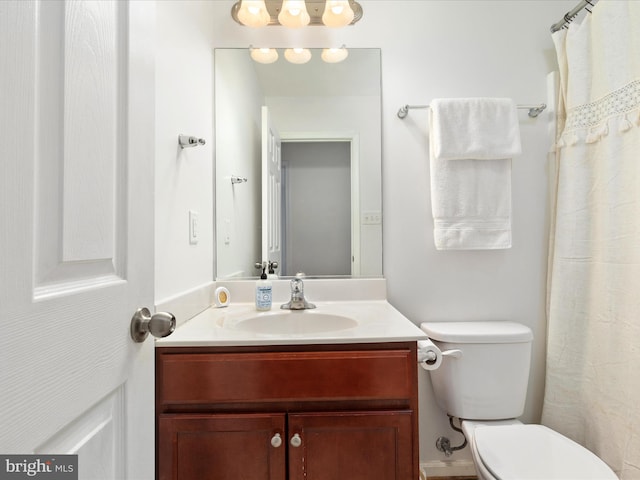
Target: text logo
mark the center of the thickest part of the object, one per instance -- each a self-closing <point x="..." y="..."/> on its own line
<point x="49" y="467"/>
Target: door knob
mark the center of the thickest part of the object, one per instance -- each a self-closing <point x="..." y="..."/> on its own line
<point x="160" y="324"/>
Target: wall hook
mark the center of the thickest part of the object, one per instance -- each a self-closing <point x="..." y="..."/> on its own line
<point x="188" y="141"/>
<point x="235" y="179"/>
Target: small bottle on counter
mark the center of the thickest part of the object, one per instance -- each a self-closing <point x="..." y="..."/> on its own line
<point x="264" y="292"/>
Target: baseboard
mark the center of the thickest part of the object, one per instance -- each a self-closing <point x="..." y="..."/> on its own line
<point x="453" y="468"/>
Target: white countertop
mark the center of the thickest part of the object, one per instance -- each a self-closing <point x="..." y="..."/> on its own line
<point x="377" y="321"/>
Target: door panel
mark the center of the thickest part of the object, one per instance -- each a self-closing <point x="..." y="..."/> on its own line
<point x="221" y="447"/>
<point x="353" y="445"/>
<point x="77" y="232"/>
<point x="93" y="436"/>
<point x="80" y="155"/>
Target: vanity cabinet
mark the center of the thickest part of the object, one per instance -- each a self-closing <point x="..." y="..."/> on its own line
<point x="314" y="412"/>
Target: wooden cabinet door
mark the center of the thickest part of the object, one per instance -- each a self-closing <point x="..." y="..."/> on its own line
<point x="373" y="445"/>
<point x="221" y="447"/>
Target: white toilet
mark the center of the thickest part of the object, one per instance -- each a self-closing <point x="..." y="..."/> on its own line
<point x="483" y="381"/>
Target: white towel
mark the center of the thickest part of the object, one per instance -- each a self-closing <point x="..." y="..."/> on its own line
<point x="477" y="128"/>
<point x="472" y="142"/>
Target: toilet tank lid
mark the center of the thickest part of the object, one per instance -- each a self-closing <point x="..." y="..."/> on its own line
<point x="478" y="332"/>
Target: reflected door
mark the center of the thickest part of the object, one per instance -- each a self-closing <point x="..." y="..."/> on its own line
<point x="271" y="191"/>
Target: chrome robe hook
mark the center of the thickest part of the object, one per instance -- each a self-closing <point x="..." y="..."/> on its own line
<point x="189" y="141"/>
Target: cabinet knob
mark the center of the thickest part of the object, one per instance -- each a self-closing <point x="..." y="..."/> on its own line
<point x="276" y="440"/>
<point x="296" y="441"/>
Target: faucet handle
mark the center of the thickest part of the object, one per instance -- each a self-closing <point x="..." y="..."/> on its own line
<point x="296" y="285"/>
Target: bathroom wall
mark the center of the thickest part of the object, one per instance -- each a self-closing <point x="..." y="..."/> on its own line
<point x="434" y="48"/>
<point x="183" y="178"/>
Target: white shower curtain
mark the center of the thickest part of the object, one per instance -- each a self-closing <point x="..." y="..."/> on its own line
<point x="593" y="353"/>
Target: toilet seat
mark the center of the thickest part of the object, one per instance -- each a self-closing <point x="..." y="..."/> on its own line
<point x="534" y="452"/>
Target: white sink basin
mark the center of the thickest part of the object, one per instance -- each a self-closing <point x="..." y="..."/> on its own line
<point x="302" y="322"/>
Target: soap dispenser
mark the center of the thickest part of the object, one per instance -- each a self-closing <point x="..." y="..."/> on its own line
<point x="264" y="291"/>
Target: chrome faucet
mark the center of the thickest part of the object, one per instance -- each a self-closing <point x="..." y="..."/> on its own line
<point x="297" y="302"/>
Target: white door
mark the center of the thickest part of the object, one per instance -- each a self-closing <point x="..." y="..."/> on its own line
<point x="271" y="191"/>
<point x="76" y="232"/>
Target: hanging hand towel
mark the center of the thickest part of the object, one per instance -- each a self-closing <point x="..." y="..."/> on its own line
<point x="472" y="142"/>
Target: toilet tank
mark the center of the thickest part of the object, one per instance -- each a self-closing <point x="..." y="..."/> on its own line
<point x="488" y="381"/>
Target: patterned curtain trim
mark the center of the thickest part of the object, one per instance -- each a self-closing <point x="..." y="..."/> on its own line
<point x="588" y="123"/>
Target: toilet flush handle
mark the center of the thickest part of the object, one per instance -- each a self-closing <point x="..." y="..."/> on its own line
<point x="452" y="353"/>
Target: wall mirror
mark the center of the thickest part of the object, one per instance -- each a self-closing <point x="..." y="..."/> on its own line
<point x="298" y="165"/>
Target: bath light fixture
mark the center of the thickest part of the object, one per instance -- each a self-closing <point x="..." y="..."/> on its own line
<point x="264" y="55"/>
<point x="296" y="13"/>
<point x="297" y="55"/>
<point x="253" y="13"/>
<point x="337" y="13"/>
<point x="334" y="55"/>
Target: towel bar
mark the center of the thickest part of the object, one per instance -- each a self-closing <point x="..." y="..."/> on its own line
<point x="534" y="110"/>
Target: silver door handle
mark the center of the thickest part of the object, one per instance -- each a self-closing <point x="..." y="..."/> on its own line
<point x="159" y="324"/>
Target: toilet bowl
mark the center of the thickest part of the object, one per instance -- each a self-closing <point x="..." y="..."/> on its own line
<point x="485" y="386"/>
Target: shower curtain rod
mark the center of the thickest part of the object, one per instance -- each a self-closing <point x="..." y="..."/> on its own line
<point x="570" y="15"/>
<point x="534" y="110"/>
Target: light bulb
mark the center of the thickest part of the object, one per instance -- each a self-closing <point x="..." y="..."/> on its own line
<point x="294" y="14"/>
<point x="297" y="55"/>
<point x="334" y="55"/>
<point x="253" y="13"/>
<point x="264" y="55"/>
<point x="337" y="13"/>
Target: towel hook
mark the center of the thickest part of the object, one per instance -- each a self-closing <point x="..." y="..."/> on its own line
<point x="236" y="179"/>
<point x="186" y="141"/>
